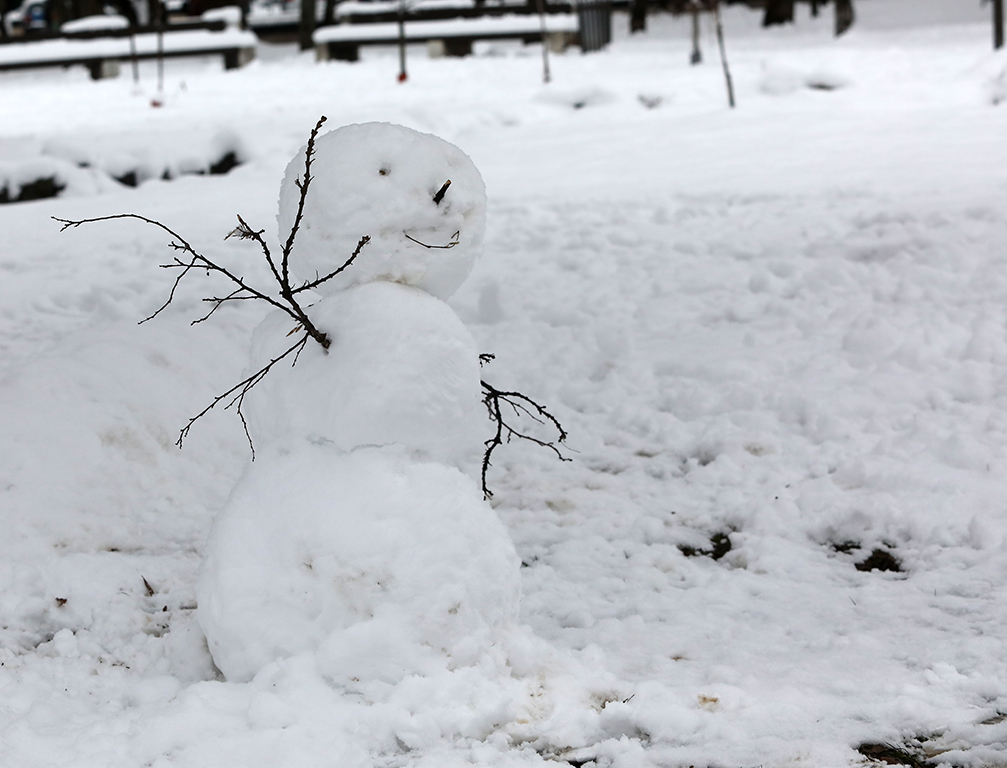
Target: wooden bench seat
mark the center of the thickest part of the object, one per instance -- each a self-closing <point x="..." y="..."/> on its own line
<point x="342" y="41"/>
<point x="103" y="54"/>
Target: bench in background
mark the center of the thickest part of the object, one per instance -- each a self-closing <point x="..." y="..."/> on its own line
<point x="101" y="51"/>
<point x="453" y="37"/>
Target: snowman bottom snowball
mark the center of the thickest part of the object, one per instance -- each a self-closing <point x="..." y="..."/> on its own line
<point x="381" y="565"/>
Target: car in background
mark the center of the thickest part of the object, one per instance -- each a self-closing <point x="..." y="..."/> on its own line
<point x="35" y="16"/>
<point x="29" y="17"/>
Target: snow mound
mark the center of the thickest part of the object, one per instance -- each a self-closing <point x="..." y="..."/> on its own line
<point x="577" y="97"/>
<point x="33" y="178"/>
<point x="386" y="182"/>
<point x="994" y="73"/>
<point x="132" y="159"/>
<point x="780" y="79"/>
<point x="95" y="23"/>
<point x="229" y="14"/>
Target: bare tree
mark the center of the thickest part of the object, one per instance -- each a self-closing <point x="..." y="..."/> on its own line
<point x="696" y="57"/>
<point x="998" y="24"/>
<point x="637" y="15"/>
<point x="844" y="16"/>
<point x="778" y="12"/>
<point x="306" y="28"/>
<point x="723" y="53"/>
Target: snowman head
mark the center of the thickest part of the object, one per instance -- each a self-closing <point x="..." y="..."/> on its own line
<point x="387" y="182"/>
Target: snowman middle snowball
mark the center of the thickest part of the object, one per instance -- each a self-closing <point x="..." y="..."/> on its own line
<point x="355" y="535"/>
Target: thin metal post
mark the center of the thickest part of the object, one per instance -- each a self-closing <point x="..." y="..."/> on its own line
<point x="546" y="77"/>
<point x="723" y="54"/>
<point x="160" y="52"/>
<point x="306" y="25"/>
<point x="697" y="55"/>
<point x="998" y="24"/>
<point x="403" y="75"/>
<point x="133" y="59"/>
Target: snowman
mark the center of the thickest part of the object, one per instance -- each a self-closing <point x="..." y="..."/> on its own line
<point x="357" y="536"/>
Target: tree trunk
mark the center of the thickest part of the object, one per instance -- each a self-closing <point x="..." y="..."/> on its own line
<point x="723" y="52"/>
<point x="814" y="8"/>
<point x="638" y="16"/>
<point x="307" y="26"/>
<point x="697" y="54"/>
<point x="84" y="8"/>
<point x="844" y="16"/>
<point x="125" y="8"/>
<point x="778" y="12"/>
<point x="330" y="12"/>
<point x="998" y="24"/>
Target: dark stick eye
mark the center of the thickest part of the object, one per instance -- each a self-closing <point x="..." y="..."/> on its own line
<point x="384" y="171"/>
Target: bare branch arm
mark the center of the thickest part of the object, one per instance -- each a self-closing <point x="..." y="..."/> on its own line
<point x="68" y="223"/>
<point x="504" y="432"/>
<point x="198" y="261"/>
<point x="356" y="252"/>
<point x="302" y="185"/>
<point x="219" y="301"/>
<point x="242" y="388"/>
<point x="245" y="232"/>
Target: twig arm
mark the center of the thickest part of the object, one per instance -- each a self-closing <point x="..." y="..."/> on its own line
<point x="504" y="431"/>
<point x="239" y="391"/>
<point x="315" y="283"/>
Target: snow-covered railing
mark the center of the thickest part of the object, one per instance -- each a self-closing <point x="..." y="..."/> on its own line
<point x="343" y="41"/>
<point x="102" y="55"/>
<point x="358" y="11"/>
<point x="278" y="19"/>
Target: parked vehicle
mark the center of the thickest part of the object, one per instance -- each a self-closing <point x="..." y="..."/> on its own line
<point x="29" y="16"/>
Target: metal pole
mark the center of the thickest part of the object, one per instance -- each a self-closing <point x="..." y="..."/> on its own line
<point x="306" y="26"/>
<point x="133" y="59"/>
<point x="403" y="75"/>
<point x="697" y="55"/>
<point x="844" y="16"/>
<point x="159" y="100"/>
<point x="723" y="54"/>
<point x="998" y="24"/>
<point x="546" y="77"/>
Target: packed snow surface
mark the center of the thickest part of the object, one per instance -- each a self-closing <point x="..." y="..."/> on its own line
<point x="777" y="336"/>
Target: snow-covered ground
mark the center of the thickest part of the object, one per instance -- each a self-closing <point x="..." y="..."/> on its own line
<point x="782" y="327"/>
